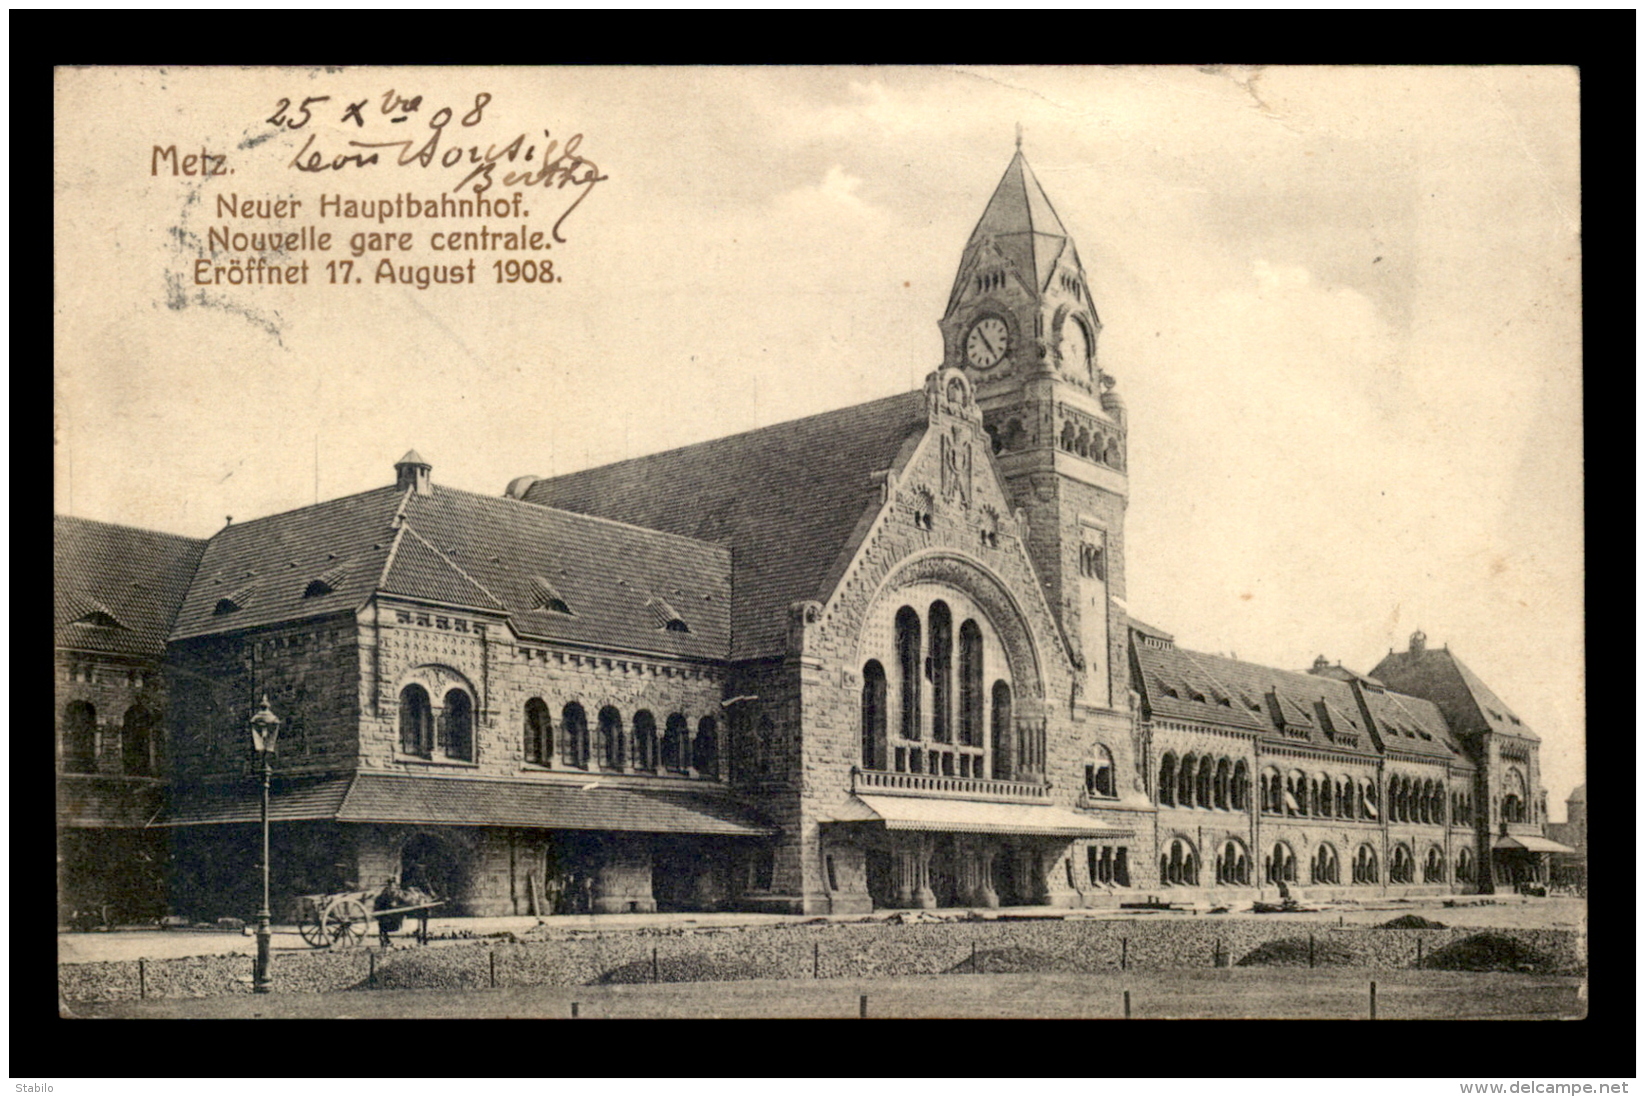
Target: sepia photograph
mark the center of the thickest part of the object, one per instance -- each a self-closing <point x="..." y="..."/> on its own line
<point x="819" y="542"/>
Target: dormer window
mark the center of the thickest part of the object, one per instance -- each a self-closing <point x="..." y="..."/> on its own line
<point x="229" y="603"/>
<point x="100" y="619"/>
<point x="544" y="596"/>
<point x="665" y="616"/>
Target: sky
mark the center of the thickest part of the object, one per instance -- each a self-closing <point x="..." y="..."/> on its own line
<point x="1342" y="304"/>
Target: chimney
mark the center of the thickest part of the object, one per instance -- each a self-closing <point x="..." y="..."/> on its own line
<point x="411" y="471"/>
<point x="1419" y="642"/>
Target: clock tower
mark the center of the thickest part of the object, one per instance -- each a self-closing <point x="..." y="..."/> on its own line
<point x="1021" y="324"/>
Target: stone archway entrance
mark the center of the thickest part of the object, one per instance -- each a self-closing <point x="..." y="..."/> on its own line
<point x="436" y="864"/>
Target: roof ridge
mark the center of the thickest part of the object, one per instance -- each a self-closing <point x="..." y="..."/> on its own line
<point x="580" y="515"/>
<point x="388" y="561"/>
<point x="913" y="395"/>
<point x="449" y="562"/>
<point x="132" y="528"/>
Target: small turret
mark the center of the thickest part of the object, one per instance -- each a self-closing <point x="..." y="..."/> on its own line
<point x="412" y="472"/>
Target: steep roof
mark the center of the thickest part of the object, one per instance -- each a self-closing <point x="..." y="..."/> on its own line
<point x="1287" y="707"/>
<point x="787" y="499"/>
<point x="1020" y="222"/>
<point x="468" y="551"/>
<point x="1469" y="704"/>
<point x="116" y="588"/>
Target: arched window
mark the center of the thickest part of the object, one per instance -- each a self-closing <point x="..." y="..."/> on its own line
<point x="942" y="672"/>
<point x="416" y="721"/>
<point x="1425" y="803"/>
<point x="1347" y="801"/>
<point x="1365" y="865"/>
<point x="1370" y="808"/>
<point x="1233" y="864"/>
<point x="675" y="749"/>
<point x="1239" y="792"/>
<point x="539" y="741"/>
<point x="574" y="728"/>
<point x="1296" y="793"/>
<point x="1401" y="866"/>
<point x="873" y="715"/>
<point x="1168" y="780"/>
<point x="1433" y="868"/>
<point x="970" y="685"/>
<point x="1513" y="799"/>
<point x="908" y="671"/>
<point x="1324" y="868"/>
<point x="1000" y="728"/>
<point x="1099" y="775"/>
<point x="457" y="726"/>
<point x="137" y="741"/>
<point x="1185" y="782"/>
<point x="645" y="741"/>
<point x="706" y="757"/>
<point x="1280" y="866"/>
<point x="1202" y="783"/>
<point x="1219" y="784"/>
<point x="1465" y="865"/>
<point x="611" y="738"/>
<point x="1179" y="864"/>
<point x="1326" y="807"/>
<point x="79" y="737"/>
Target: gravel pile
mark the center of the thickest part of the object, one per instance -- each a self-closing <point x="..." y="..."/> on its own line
<point x="1007" y="961"/>
<point x="1411" y="921"/>
<point x="1489" y="952"/>
<point x="695" y="967"/>
<point x="1293" y="952"/>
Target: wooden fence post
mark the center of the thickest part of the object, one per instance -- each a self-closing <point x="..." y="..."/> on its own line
<point x="1373" y="999"/>
<point x="142" y="979"/>
<point x="1128" y="1005"/>
<point x="862" y="1007"/>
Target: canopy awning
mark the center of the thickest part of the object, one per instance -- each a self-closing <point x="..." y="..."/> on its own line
<point x="469" y="801"/>
<point x="1530" y="843"/>
<point x="972" y="817"/>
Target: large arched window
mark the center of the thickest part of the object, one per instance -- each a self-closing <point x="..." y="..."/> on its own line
<point x="873" y="715"/>
<point x="574" y="728"/>
<point x="1365" y="865"/>
<point x="942" y="673"/>
<point x="79" y="737"/>
<point x="1324" y="808"/>
<point x="611" y="738"/>
<point x="1219" y="784"/>
<point x="1513" y="798"/>
<point x="1185" y="782"/>
<point x="971" y="694"/>
<point x="1323" y="869"/>
<point x="137" y="741"/>
<point x="645" y="741"/>
<point x="1099" y="774"/>
<point x="1465" y="865"/>
<point x="1296" y="793"/>
<point x="706" y="750"/>
<point x="1270" y="782"/>
<point x="457" y="726"/>
<point x="416" y="721"/>
<point x="1203" y="782"/>
<point x="539" y="741"/>
<point x="1280" y="866"/>
<point x="908" y="672"/>
<point x="1001" y="730"/>
<point x="1433" y="868"/>
<point x="1168" y="780"/>
<point x="1239" y="792"/>
<point x="1370" y="808"/>
<point x="1179" y="864"/>
<point x="1233" y="864"/>
<point x="1401" y="866"/>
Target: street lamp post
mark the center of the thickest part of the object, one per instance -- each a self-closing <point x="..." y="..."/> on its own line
<point x="265" y="733"/>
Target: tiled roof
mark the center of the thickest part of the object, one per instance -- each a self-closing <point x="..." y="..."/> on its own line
<point x="483" y="553"/>
<point x="1318" y="710"/>
<point x="1020" y="222"/>
<point x="133" y="576"/>
<point x="1468" y="703"/>
<point x="786" y="498"/>
<point x="381" y="798"/>
<point x="469" y="801"/>
<point x="278" y="557"/>
<point x="90" y="801"/>
<point x="606" y="572"/>
<point x="969" y="817"/>
<point x="290" y="800"/>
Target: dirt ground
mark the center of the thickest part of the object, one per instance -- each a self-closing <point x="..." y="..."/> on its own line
<point x="1503" y="912"/>
<point x="1175" y="994"/>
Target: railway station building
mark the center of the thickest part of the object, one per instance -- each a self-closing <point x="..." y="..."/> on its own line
<point x="878" y="657"/>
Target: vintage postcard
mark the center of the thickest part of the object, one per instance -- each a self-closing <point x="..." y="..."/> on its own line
<point x="860" y="542"/>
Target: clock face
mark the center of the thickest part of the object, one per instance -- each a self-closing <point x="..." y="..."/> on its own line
<point x="1076" y="345"/>
<point x="987" y="343"/>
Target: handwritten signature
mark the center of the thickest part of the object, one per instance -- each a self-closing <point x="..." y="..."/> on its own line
<point x="567" y="168"/>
